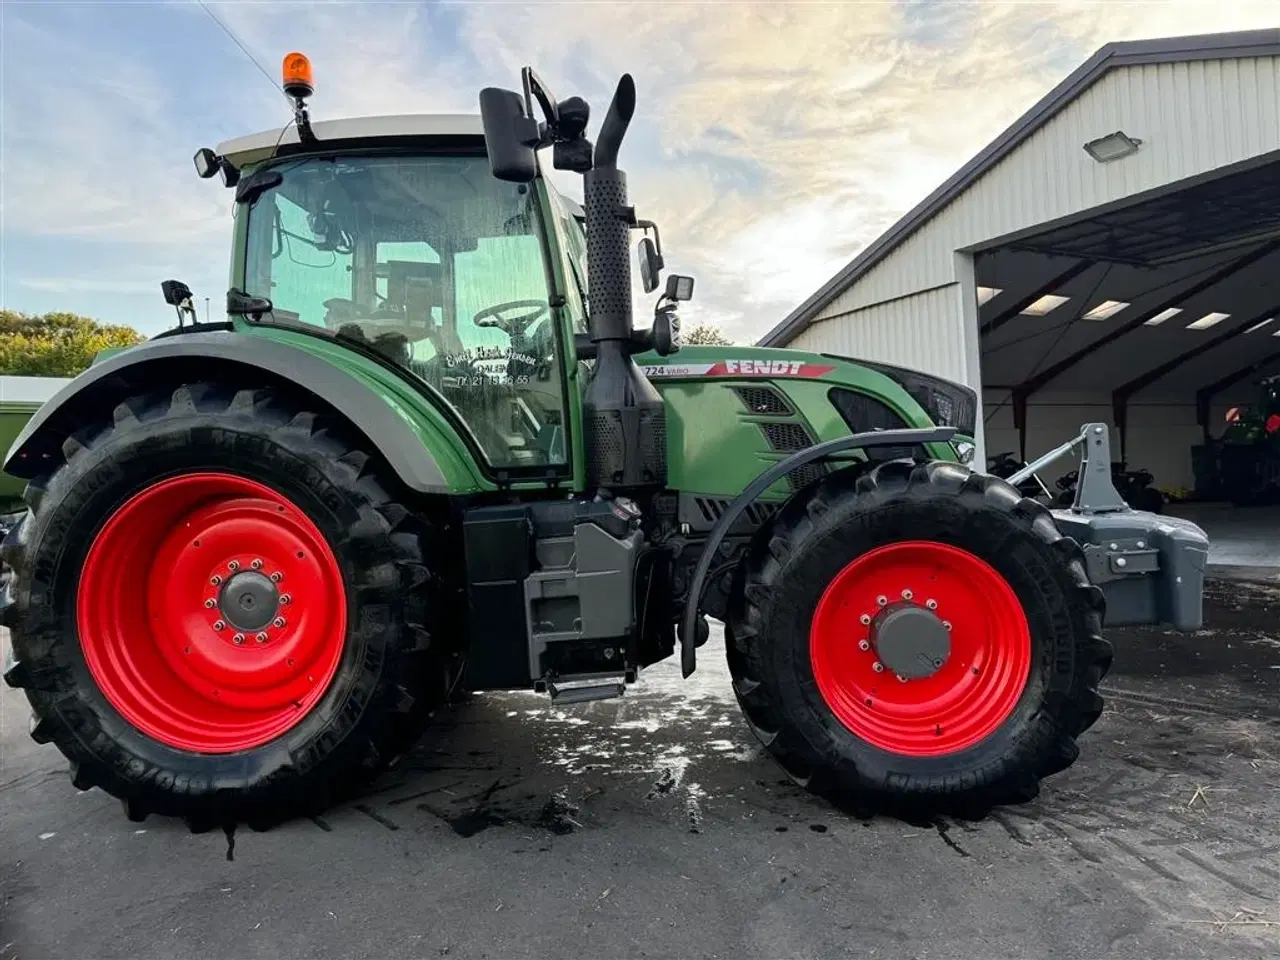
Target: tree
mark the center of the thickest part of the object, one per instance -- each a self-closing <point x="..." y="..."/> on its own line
<point x="708" y="335"/>
<point x="55" y="344"/>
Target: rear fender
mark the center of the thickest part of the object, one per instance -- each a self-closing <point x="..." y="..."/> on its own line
<point x="756" y="488"/>
<point x="104" y="384"/>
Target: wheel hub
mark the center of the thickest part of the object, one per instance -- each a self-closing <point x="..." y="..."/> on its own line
<point x="249" y="600"/>
<point x="211" y="611"/>
<point x="911" y="641"/>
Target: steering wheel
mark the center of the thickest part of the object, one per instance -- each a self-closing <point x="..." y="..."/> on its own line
<point x="514" y="327"/>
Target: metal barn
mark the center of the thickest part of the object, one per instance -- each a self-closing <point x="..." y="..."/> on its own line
<point x="1113" y="256"/>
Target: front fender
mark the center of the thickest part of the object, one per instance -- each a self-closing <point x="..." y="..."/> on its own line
<point x="753" y="491"/>
<point x="97" y="387"/>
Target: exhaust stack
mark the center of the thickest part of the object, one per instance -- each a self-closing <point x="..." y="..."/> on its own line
<point x="625" y="420"/>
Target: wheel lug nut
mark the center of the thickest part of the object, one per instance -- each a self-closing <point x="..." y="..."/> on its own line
<point x="210" y="603"/>
<point x="878" y="667"/>
<point x="864" y="645"/>
<point x="233" y="565"/>
<point x="946" y="624"/>
<point x="277" y="577"/>
<point x="901" y="678"/>
<point x="865" y="619"/>
<point x="931" y="604"/>
<point x="261" y="638"/>
<point x="285" y="598"/>
<point x="882" y="600"/>
<point x="238" y="638"/>
<point x="215" y="579"/>
<point x="907" y="594"/>
<point x="257" y="564"/>
<point x="220" y="625"/>
<point x="278" y="622"/>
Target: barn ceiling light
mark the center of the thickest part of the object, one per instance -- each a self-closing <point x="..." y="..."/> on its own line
<point x="1105" y="310"/>
<point x="1259" y="326"/>
<point x="1112" y="147"/>
<point x="1207" y="321"/>
<point x="1050" y="301"/>
<point x="987" y="293"/>
<point x="1163" y="315"/>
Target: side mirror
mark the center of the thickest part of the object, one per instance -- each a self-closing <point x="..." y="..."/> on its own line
<point x="650" y="264"/>
<point x="510" y="136"/>
<point x="679" y="288"/>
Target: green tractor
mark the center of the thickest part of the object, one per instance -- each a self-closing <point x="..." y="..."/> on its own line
<point x="1249" y="449"/>
<point x="428" y="453"/>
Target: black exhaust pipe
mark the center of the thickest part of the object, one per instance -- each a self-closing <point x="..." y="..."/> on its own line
<point x="609" y="222"/>
<point x="625" y="419"/>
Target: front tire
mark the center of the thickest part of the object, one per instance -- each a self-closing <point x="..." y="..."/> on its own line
<point x="917" y="639"/>
<point x="219" y="612"/>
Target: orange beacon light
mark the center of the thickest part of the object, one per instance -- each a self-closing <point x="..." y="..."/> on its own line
<point x="298" y="81"/>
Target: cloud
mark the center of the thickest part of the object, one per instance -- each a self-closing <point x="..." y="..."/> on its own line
<point x="98" y="160"/>
<point x="772" y="141"/>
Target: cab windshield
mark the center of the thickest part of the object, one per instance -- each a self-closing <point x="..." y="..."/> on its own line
<point x="435" y="264"/>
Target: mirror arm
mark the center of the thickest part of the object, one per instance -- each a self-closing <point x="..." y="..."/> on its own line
<point x="646" y="226"/>
<point x="535" y="88"/>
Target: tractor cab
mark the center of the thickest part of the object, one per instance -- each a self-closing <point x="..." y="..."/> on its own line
<point x="391" y="232"/>
<point x="394" y="233"/>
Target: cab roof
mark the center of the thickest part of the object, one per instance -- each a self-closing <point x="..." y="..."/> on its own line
<point x="259" y="146"/>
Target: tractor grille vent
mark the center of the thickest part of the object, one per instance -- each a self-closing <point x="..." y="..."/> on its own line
<point x="801" y="477"/>
<point x="712" y="507"/>
<point x="763" y="401"/>
<point x="788" y="437"/>
<point x="864" y="413"/>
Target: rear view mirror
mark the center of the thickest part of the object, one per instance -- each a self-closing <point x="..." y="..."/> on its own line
<point x="650" y="264"/>
<point x="510" y="136"/>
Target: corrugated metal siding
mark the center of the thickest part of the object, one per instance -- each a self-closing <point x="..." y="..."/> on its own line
<point x="1192" y="117"/>
<point x="924" y="332"/>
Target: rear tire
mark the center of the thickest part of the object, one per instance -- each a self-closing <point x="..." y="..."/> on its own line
<point x="118" y="648"/>
<point x="1002" y="708"/>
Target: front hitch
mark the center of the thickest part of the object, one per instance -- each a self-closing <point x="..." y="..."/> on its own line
<point x="1150" y="567"/>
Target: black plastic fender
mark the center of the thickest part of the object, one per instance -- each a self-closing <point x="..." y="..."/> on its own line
<point x="876" y="438"/>
<point x="43" y="434"/>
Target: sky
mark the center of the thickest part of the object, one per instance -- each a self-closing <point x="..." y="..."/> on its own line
<point x="771" y="143"/>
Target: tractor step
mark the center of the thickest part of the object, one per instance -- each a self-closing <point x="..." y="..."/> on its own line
<point x="590" y="688"/>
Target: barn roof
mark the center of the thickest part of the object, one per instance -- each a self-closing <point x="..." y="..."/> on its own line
<point x="1214" y="46"/>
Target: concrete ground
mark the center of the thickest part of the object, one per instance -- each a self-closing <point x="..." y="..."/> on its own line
<point x="654" y="827"/>
<point x="1242" y="539"/>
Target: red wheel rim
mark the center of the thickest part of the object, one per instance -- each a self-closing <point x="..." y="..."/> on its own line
<point x="162" y="590"/>
<point x="976" y="687"/>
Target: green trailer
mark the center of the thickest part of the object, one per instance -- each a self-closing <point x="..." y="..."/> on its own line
<point x="20" y="398"/>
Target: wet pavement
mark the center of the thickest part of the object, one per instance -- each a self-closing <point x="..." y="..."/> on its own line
<point x="653" y="826"/>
